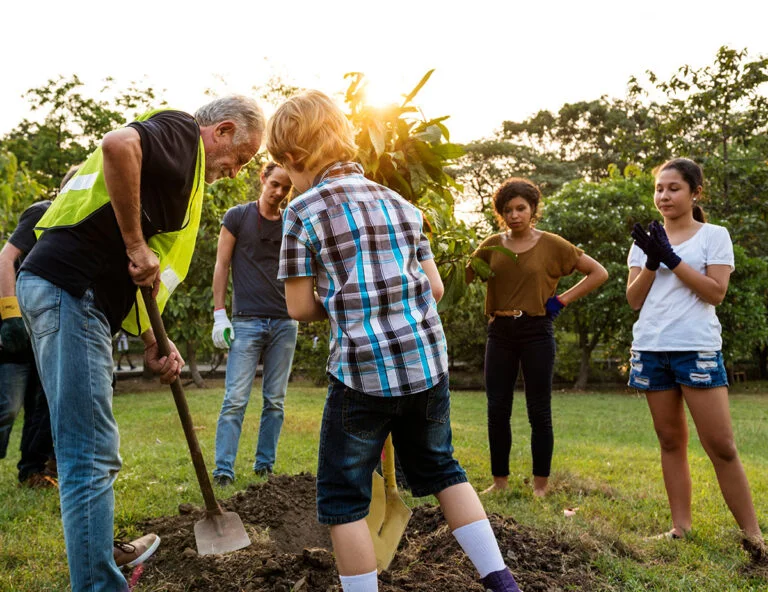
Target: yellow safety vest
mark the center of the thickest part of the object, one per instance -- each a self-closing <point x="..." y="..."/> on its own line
<point x="86" y="192"/>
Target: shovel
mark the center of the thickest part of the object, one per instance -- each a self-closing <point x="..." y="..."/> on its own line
<point x="388" y="515"/>
<point x="219" y="531"/>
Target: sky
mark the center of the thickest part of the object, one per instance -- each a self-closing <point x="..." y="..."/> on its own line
<point x="493" y="61"/>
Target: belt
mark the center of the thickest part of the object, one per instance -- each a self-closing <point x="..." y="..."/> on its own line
<point x="507" y="313"/>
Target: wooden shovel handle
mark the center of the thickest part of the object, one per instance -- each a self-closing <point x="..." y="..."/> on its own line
<point x="388" y="466"/>
<point x="211" y="505"/>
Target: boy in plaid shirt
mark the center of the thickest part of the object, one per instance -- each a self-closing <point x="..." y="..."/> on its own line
<point x="355" y="252"/>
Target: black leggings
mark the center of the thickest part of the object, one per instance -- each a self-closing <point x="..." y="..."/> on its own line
<point x="514" y="342"/>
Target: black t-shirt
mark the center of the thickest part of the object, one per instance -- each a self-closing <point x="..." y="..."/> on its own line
<point x="255" y="259"/>
<point x="91" y="254"/>
<point x="23" y="238"/>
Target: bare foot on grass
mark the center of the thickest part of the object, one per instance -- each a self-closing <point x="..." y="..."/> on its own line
<point x="499" y="484"/>
<point x="540" y="486"/>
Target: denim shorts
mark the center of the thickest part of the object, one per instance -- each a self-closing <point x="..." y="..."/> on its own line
<point x="661" y="371"/>
<point x="355" y="426"/>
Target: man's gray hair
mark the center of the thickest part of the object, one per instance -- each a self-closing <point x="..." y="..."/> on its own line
<point x="244" y="111"/>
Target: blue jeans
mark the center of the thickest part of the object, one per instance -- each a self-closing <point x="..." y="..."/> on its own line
<point x="275" y="341"/>
<point x="662" y="371"/>
<point x="354" y="428"/>
<point x="20" y="385"/>
<point x="73" y="348"/>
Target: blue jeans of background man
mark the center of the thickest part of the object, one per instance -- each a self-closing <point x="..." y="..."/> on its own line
<point x="274" y="340"/>
<point x="73" y="350"/>
<point x="514" y="343"/>
<point x="20" y="385"/>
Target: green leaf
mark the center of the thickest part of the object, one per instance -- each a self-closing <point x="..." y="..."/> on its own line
<point x="481" y="268"/>
<point x="377" y="134"/>
<point x="418" y="87"/>
<point x="448" y="151"/>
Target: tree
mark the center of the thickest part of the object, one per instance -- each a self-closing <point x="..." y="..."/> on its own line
<point x="743" y="313"/>
<point x="718" y="116"/>
<point x="598" y="217"/>
<point x="71" y="126"/>
<point x="411" y="156"/>
<point x="17" y="191"/>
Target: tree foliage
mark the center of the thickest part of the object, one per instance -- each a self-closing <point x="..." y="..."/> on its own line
<point x="597" y="216"/>
<point x="17" y="191"/>
<point x="71" y="124"/>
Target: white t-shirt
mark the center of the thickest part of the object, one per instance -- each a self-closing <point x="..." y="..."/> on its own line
<point x="673" y="318"/>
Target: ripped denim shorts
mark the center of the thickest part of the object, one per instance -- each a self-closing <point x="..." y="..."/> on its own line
<point x="661" y="371"/>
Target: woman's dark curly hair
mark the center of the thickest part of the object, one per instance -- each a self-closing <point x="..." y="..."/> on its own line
<point x="517" y="187"/>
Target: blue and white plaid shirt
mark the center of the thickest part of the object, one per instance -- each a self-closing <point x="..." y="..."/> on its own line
<point x="363" y="243"/>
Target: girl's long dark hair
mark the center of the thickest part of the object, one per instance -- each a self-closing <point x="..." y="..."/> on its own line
<point x="691" y="174"/>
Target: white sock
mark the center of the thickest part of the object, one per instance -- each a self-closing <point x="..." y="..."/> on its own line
<point x="480" y="545"/>
<point x="361" y="583"/>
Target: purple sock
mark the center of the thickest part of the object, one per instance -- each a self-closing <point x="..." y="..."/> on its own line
<point x="500" y="581"/>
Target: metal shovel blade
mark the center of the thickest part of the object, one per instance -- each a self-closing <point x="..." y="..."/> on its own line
<point x="220" y="533"/>
<point x="388" y="515"/>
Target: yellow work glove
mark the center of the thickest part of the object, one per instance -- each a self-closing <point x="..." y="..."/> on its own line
<point x="13" y="333"/>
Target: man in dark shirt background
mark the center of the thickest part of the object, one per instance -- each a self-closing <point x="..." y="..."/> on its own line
<point x="78" y="286"/>
<point x="19" y="381"/>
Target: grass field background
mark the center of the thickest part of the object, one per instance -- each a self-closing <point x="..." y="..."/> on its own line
<point x="606" y="464"/>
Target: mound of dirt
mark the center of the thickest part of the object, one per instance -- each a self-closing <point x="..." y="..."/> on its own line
<point x="290" y="551"/>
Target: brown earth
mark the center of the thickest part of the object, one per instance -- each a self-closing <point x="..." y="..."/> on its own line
<point x="290" y="551"/>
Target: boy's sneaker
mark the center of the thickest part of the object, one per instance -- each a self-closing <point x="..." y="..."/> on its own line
<point x="223" y="480"/>
<point x="136" y="552"/>
<point x="500" y="581"/>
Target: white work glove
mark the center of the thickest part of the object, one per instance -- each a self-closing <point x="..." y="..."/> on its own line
<point x="222" y="333"/>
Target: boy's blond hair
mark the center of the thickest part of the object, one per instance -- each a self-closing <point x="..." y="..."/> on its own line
<point x="313" y="129"/>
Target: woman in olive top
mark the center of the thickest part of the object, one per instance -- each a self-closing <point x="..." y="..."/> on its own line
<point x="522" y="302"/>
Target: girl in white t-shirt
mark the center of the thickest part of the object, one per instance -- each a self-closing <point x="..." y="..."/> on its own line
<point x="678" y="273"/>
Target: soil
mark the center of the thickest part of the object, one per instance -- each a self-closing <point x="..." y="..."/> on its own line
<point x="290" y="551"/>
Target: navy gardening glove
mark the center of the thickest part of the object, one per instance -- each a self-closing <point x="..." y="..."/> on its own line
<point x="13" y="333"/>
<point x="554" y="305"/>
<point x="659" y="238"/>
<point x="643" y="241"/>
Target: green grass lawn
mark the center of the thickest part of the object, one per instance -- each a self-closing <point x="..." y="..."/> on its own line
<point x="606" y="464"/>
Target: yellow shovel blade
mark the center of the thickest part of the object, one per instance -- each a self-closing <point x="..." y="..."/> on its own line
<point x="388" y="515"/>
<point x="376" y="512"/>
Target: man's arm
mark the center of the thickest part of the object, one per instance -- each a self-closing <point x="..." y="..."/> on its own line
<point x="13" y="334"/>
<point x="122" y="175"/>
<point x="224" y="252"/>
<point x="223" y="333"/>
<point x="8" y="256"/>
<point x="302" y="300"/>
